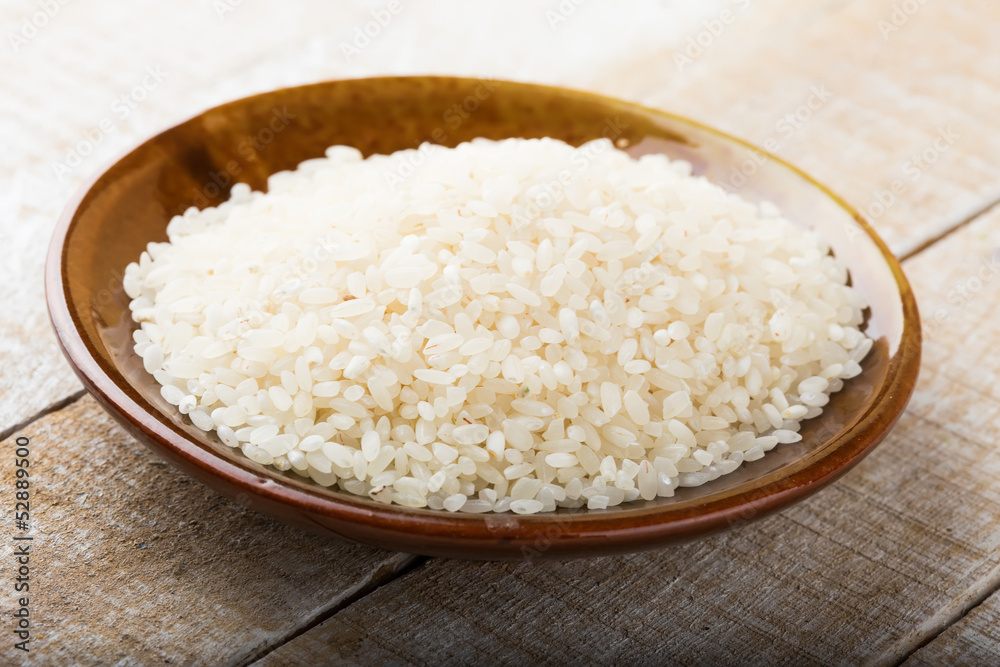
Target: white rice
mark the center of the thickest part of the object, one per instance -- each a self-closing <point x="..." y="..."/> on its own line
<point x="518" y="326"/>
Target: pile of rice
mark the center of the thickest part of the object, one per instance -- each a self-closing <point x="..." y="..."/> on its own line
<point x="517" y="326"/>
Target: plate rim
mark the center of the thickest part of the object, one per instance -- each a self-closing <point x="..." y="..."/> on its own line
<point x="633" y="528"/>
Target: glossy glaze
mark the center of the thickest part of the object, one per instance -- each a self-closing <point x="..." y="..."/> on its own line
<point x="112" y="219"/>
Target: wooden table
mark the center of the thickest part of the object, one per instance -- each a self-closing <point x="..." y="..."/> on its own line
<point x="899" y="562"/>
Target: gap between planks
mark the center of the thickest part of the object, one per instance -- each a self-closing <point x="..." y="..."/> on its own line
<point x="950" y="228"/>
<point x="376" y="580"/>
<point x="951" y="614"/>
<point x="54" y="407"/>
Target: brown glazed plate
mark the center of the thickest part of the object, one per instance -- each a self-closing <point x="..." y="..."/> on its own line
<point x="109" y="223"/>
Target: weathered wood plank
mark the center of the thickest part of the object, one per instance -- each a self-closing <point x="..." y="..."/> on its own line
<point x="908" y="99"/>
<point x="864" y="572"/>
<point x="972" y="641"/>
<point x="133" y="561"/>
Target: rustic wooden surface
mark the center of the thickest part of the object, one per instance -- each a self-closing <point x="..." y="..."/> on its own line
<point x="971" y="641"/>
<point x="899" y="561"/>
<point x="154" y="567"/>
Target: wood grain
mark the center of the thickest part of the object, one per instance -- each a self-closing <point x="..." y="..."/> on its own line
<point x="972" y="641"/>
<point x="862" y="573"/>
<point x="133" y="562"/>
